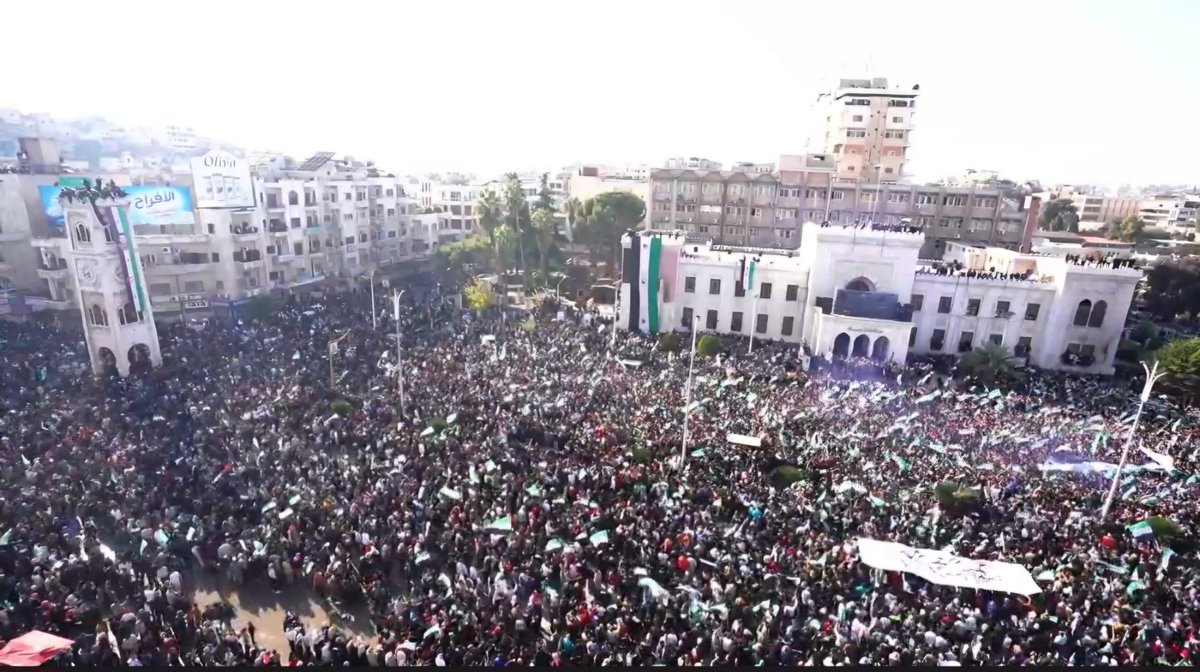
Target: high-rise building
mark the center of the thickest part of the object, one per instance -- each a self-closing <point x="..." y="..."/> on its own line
<point x="867" y="128"/>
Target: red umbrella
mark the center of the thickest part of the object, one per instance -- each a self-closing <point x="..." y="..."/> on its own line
<point x="32" y="649"/>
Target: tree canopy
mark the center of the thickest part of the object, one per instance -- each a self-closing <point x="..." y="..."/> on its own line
<point x="605" y="218"/>
<point x="479" y="294"/>
<point x="1060" y="215"/>
<point x="1173" y="288"/>
<point x="1181" y="360"/>
<point x="1129" y="229"/>
<point x="989" y="364"/>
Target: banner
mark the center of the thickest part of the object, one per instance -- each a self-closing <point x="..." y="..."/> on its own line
<point x="221" y="180"/>
<point x="148" y="206"/>
<point x="947" y="569"/>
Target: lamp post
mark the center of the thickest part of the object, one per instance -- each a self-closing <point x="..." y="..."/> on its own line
<point x="333" y="342"/>
<point x="687" y="407"/>
<point x="1152" y="376"/>
<point x="399" y="364"/>
<point x="560" y="281"/>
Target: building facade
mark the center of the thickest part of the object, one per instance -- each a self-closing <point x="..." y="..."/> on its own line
<point x="863" y="291"/>
<point x="867" y="128"/>
<point x="320" y="219"/>
<point x="754" y="207"/>
<point x="1175" y="213"/>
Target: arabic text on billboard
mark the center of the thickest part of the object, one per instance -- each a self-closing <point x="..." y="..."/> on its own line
<point x="222" y="181"/>
<point x="147" y="205"/>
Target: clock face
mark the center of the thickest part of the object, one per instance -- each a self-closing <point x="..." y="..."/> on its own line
<point x="87" y="273"/>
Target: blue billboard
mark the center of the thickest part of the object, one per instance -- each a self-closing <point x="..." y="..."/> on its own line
<point x="151" y="205"/>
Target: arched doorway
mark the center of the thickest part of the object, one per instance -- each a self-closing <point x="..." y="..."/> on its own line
<point x="139" y="359"/>
<point x="862" y="345"/>
<point x="879" y="351"/>
<point x="860" y="284"/>
<point x="841" y="345"/>
<point x="108" y="362"/>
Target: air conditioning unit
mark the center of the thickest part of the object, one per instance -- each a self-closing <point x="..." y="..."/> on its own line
<point x="167" y="250"/>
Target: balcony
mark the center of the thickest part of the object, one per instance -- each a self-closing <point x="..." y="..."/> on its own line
<point x="179" y="268"/>
<point x="274" y="206"/>
<point x="710" y="218"/>
<point x="12" y="236"/>
<point x="53" y="271"/>
<point x="868" y="305"/>
<point x="249" y="259"/>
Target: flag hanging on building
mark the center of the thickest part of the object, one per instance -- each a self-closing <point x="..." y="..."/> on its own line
<point x="746" y="273"/>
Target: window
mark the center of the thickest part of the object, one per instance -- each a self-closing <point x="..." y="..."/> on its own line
<point x="1082" y="349"/>
<point x="391" y="212"/>
<point x="1024" y="345"/>
<point x="298" y="249"/>
<point x="739" y="290"/>
<point x="82" y="234"/>
<point x="855" y="133"/>
<point x="1031" y="311"/>
<point x="128" y="315"/>
<point x="966" y="341"/>
<point x="1002" y="309"/>
<point x="97" y="316"/>
<point x="295" y="222"/>
<point x="894" y="134"/>
<point x="792" y="292"/>
<point x="160" y="289"/>
<point x="973" y="307"/>
<point x="897" y="120"/>
<point x="764" y="290"/>
<point x="346" y="196"/>
<point x="1082" y="312"/>
<point x="293" y="199"/>
<point x="760" y="324"/>
<point x="756" y="212"/>
<point x="714" y="288"/>
<point x="348" y="217"/>
<point x="898" y="197"/>
<point x="912" y="337"/>
<point x="711" y="319"/>
<point x="927" y="199"/>
<point x="687" y="318"/>
<point x="918" y="301"/>
<point x="689" y="284"/>
<point x="938" y="340"/>
<point x="996" y="339"/>
<point x="349" y="240"/>
<point x="837" y="195"/>
<point x="216" y="257"/>
<point x="193" y="286"/>
<point x="902" y="103"/>
<point x="787" y="325"/>
<point x="856" y="117"/>
<point x="1097" y="317"/>
<point x="817" y="194"/>
<point x="944" y="304"/>
<point x="735" y="324"/>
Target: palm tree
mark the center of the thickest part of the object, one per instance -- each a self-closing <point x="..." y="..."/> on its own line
<point x="488" y="210"/>
<point x="544" y="226"/>
<point x="514" y="200"/>
<point x="545" y="201"/>
<point x="989" y="365"/>
<point x="573" y="209"/>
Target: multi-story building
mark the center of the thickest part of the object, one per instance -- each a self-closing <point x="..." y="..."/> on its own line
<point x="855" y="291"/>
<point x="452" y="198"/>
<point x="1175" y="213"/>
<point x="1095" y="209"/>
<point x="692" y="163"/>
<point x="323" y="218"/>
<point x="748" y="207"/>
<point x="867" y="128"/>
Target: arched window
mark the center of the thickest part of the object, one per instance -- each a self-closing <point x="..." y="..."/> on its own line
<point x="129" y="315"/>
<point x="293" y="199"/>
<point x="107" y="234"/>
<point x="860" y="285"/>
<point x="81" y="234"/>
<point x="1097" y="317"/>
<point x="1082" y="312"/>
<point x="97" y="317"/>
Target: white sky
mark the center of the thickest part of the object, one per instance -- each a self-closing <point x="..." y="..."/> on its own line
<point x="1060" y="90"/>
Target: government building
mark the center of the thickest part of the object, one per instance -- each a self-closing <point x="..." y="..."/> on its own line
<point x="865" y="291"/>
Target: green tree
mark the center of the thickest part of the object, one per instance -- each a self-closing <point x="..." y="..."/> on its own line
<point x="1173" y="288"/>
<point x="517" y="217"/>
<point x="544" y="227"/>
<point x="1181" y="360"/>
<point x="545" y="199"/>
<point x="1127" y="230"/>
<point x="1060" y="215"/>
<point x="573" y="209"/>
<point x="606" y="217"/>
<point x="261" y="307"/>
<point x="989" y="364"/>
<point x="487" y="212"/>
<point x="709" y="346"/>
<point x="479" y="295"/>
<point x="461" y="258"/>
<point x="507" y="242"/>
<point x="668" y="342"/>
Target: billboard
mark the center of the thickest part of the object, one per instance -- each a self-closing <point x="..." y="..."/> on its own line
<point x="147" y="205"/>
<point x="221" y="180"/>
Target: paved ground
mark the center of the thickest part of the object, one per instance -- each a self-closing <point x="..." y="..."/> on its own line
<point x="258" y="604"/>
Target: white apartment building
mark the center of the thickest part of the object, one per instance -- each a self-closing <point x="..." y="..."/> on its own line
<point x="692" y="163"/>
<point x="452" y="198"/>
<point x="322" y="218"/>
<point x="852" y="291"/>
<point x="1175" y="213"/>
<point x="867" y="128"/>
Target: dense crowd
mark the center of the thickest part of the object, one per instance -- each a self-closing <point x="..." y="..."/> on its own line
<point x="532" y="500"/>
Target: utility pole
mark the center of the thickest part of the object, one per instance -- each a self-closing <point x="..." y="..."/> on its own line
<point x="399" y="364"/>
<point x="1152" y="376"/>
<point x="333" y="343"/>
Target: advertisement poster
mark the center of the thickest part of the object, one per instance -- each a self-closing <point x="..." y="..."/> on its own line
<point x="221" y="180"/>
<point x="148" y="206"/>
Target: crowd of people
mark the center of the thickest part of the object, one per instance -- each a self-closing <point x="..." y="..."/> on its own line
<point x="519" y="491"/>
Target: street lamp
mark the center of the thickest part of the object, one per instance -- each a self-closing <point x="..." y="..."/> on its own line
<point x="374" y="318"/>
<point x="1152" y="376"/>
<point x="687" y="407"/>
<point x="560" y="281"/>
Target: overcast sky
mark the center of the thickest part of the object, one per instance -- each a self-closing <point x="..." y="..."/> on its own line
<point x="1059" y="90"/>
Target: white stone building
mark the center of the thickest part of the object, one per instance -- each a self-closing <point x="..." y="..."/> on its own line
<point x="866" y="292"/>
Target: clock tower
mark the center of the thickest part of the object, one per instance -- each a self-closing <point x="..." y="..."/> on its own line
<point x="118" y="322"/>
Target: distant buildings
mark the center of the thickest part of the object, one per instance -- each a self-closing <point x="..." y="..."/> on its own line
<point x="868" y="128"/>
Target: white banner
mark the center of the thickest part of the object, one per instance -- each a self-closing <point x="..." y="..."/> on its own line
<point x="947" y="569"/>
